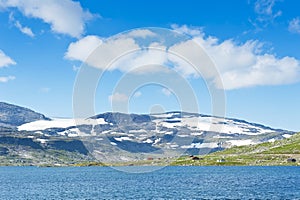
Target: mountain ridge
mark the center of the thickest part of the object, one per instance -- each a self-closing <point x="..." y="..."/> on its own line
<point x="13" y="115"/>
<point x="192" y="113"/>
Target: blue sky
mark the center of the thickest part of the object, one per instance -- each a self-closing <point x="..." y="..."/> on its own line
<point x="254" y="44"/>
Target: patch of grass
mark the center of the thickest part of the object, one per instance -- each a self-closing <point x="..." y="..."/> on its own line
<point x="268" y="153"/>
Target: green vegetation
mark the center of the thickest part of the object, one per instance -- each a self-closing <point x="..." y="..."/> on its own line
<point x="280" y="152"/>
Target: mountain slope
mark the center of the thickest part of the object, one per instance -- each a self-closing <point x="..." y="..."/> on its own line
<point x="280" y="152"/>
<point x="120" y="137"/>
<point x="12" y="115"/>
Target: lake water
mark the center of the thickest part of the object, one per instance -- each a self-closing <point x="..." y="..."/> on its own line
<point x="166" y="183"/>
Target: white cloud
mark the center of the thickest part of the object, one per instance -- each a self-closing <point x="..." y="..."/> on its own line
<point x="113" y="53"/>
<point x="24" y="29"/>
<point x="236" y="65"/>
<point x="118" y="97"/>
<point x="190" y="52"/>
<point x="243" y="65"/>
<point x="111" y="50"/>
<point x="294" y="25"/>
<point x="142" y="61"/>
<point x="81" y="49"/>
<point x="64" y="16"/>
<point x="166" y="91"/>
<point x="5" y="79"/>
<point x="137" y="94"/>
<point x="100" y="57"/>
<point x="267" y="70"/>
<point x="5" y="60"/>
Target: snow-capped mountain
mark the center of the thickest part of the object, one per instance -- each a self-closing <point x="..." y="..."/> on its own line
<point x="119" y="136"/>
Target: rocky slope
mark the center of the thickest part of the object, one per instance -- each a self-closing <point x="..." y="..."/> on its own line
<point x="12" y="115"/>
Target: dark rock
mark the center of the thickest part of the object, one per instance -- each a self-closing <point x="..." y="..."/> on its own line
<point x="291" y="160"/>
<point x="121" y="118"/>
<point x="20" y="141"/>
<point x="68" y="145"/>
<point x="3" y="151"/>
<point x="195" y="158"/>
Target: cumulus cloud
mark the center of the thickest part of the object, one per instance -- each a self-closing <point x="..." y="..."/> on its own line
<point x="100" y="57"/>
<point x="118" y="97"/>
<point x="142" y="61"/>
<point x="4" y="79"/>
<point x="246" y="64"/>
<point x="5" y="60"/>
<point x="81" y="49"/>
<point x="232" y="64"/>
<point x="64" y="16"/>
<point x="120" y="53"/>
<point x="267" y="70"/>
<point x="294" y="25"/>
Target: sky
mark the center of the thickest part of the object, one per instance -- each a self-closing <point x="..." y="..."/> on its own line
<point x="46" y="46"/>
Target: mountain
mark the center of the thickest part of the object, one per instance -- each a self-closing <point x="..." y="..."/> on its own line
<point x="112" y="137"/>
<point x="30" y="137"/>
<point x="12" y="115"/>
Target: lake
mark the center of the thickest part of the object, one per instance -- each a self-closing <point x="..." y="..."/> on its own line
<point x="166" y="183"/>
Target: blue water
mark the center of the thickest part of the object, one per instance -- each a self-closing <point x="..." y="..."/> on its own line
<point x="167" y="183"/>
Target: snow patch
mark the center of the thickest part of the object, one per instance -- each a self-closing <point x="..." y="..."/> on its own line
<point x="195" y="134"/>
<point x="58" y="123"/>
<point x="271" y="140"/>
<point x="241" y="142"/>
<point x="138" y="131"/>
<point x="43" y="141"/>
<point x="171" y="125"/>
<point x="148" y="141"/>
<point x="200" y="145"/>
<point x="120" y="139"/>
<point x="183" y="136"/>
<point x="169" y="115"/>
<point x="286" y="135"/>
<point x="221" y="137"/>
<point x="157" y="140"/>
